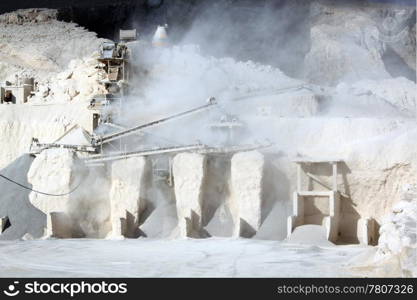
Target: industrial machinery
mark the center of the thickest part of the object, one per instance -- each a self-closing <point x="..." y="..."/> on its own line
<point x="114" y="64"/>
<point x="100" y="140"/>
<point x="113" y="68"/>
<point x="97" y="141"/>
<point x="16" y="92"/>
<point x="114" y="75"/>
<point x="160" y="38"/>
<point x="127" y="35"/>
<point x="230" y="126"/>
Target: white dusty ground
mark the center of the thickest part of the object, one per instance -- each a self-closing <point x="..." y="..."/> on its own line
<point x="172" y="258"/>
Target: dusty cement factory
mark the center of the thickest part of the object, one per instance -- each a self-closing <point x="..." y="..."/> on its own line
<point x="143" y="139"/>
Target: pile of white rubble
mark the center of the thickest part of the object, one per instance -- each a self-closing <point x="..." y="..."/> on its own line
<point x="35" y="44"/>
<point x="396" y="253"/>
<point x="398" y="235"/>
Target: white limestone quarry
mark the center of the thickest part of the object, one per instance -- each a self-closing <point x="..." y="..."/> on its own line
<point x="62" y="58"/>
<point x="127" y="196"/>
<point x="365" y="121"/>
<point x="247" y="170"/>
<point x="189" y="171"/>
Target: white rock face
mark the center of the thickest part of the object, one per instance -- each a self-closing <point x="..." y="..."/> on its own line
<point x="247" y="171"/>
<point x="77" y="83"/>
<point x="20" y="123"/>
<point x="32" y="15"/>
<point x="126" y="196"/>
<point x="52" y="172"/>
<point x="35" y="44"/>
<point x="402" y="39"/>
<point x="60" y="56"/>
<point x="344" y="46"/>
<point x="399" y="92"/>
<point x="189" y="171"/>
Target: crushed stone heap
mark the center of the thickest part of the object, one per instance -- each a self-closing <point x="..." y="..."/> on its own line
<point x="396" y="252"/>
<point x="398" y="240"/>
<point x="32" y="15"/>
<point x="35" y="44"/>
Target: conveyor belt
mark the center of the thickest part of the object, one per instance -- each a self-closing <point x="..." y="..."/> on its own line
<point x="111" y="137"/>
<point x="196" y="148"/>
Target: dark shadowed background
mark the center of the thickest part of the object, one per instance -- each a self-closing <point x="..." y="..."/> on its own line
<point x="280" y="27"/>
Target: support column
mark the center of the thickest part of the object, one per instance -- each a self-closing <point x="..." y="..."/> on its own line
<point x="126" y="196"/>
<point x="189" y="172"/>
<point x="366" y="231"/>
<point x="331" y="222"/>
<point x="297" y="217"/>
<point x="299" y="179"/>
<point x="247" y="171"/>
<point x="334" y="177"/>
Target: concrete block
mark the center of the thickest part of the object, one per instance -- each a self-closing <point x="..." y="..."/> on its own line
<point x="126" y="196"/>
<point x="247" y="171"/>
<point x="189" y="172"/>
